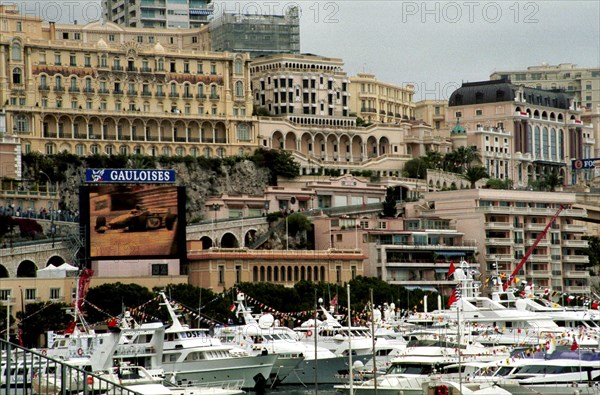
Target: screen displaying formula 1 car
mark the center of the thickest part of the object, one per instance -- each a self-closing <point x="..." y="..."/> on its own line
<point x="133" y="220"/>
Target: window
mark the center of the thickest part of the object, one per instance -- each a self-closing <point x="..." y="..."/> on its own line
<point x="111" y="37"/>
<point x="72" y="60"/>
<point x="57" y="58"/>
<point x="76" y="36"/>
<point x="186" y="67"/>
<point x="87" y="60"/>
<point x="54" y="293"/>
<point x="4" y="294"/>
<point x="30" y="294"/>
<point x="238" y="67"/>
<point x="19" y="26"/>
<point x="221" y="274"/>
<point x="16" y="52"/>
<point x="239" y="89"/>
<point x="16" y="76"/>
<point x="243" y="132"/>
<point x="160" y="269"/>
<point x="199" y="68"/>
<point x="213" y="69"/>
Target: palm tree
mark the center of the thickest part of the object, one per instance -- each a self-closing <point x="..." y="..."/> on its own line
<point x="474" y="174"/>
<point x="551" y="180"/>
<point x="433" y="159"/>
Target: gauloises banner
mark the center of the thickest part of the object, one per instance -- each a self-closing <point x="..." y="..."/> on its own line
<point x="111" y="176"/>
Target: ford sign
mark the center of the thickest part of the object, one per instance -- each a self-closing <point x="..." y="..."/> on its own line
<point x="109" y="176"/>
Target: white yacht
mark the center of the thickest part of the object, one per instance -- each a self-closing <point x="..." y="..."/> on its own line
<point x="264" y="336"/>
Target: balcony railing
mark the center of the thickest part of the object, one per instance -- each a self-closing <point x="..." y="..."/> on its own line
<point x="145" y="70"/>
<point x="117" y="68"/>
<point x="89" y="90"/>
<point x="74" y="90"/>
<point x="146" y="94"/>
<point x="103" y="91"/>
<point x="172" y="94"/>
<point x="214" y="96"/>
<point x="160" y="94"/>
<point x="200" y="96"/>
<point x="131" y="93"/>
<point x="44" y="88"/>
<point x="132" y="69"/>
<point x="59" y="89"/>
<point x="188" y="96"/>
<point x="118" y="92"/>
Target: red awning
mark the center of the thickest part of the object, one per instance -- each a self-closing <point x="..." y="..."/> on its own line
<point x="302" y="198"/>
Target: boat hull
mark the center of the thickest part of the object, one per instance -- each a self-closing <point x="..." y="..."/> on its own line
<point x="329" y="371"/>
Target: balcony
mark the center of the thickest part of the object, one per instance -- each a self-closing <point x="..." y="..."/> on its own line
<point x="499" y="225"/>
<point x="368" y="109"/>
<point x="536" y="227"/>
<point x="138" y="138"/>
<point x="576" y="259"/>
<point x="577" y="289"/>
<point x="59" y="89"/>
<point x="145" y="70"/>
<point x="160" y="94"/>
<point x="131" y="93"/>
<point x="188" y="96"/>
<point x="103" y="91"/>
<point x="118" y="92"/>
<point x="577" y="273"/>
<point x="174" y="95"/>
<point x="146" y="94"/>
<point x="117" y="68"/>
<point x="74" y="90"/>
<point x="575" y="243"/>
<point x="200" y="96"/>
<point x="499" y="242"/>
<point x="44" y="88"/>
<point x="180" y="139"/>
<point x="89" y="91"/>
<point x="214" y="96"/>
<point x="574" y="228"/>
<point x="132" y="69"/>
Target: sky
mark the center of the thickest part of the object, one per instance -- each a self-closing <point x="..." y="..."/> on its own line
<point x="434" y="45"/>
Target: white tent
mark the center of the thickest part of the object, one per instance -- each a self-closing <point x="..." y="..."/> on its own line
<point x="64" y="270"/>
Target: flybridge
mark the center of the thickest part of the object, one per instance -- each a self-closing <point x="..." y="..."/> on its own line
<point x="129" y="176"/>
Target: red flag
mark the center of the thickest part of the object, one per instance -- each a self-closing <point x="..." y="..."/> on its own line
<point x="71" y="328"/>
<point x="595" y="305"/>
<point x="232" y="308"/>
<point x="454" y="297"/>
<point x="574" y="346"/>
<point x="451" y="269"/>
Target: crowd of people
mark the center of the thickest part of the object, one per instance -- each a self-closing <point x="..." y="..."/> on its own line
<point x="43" y="213"/>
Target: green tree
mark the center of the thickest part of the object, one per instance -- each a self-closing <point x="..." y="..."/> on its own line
<point x="474" y="174"/>
<point x="415" y="168"/>
<point x="433" y="160"/>
<point x="281" y="163"/>
<point x="461" y="159"/>
<point x="593" y="251"/>
<point x="496" y="183"/>
<point x="38" y="318"/>
<point x="112" y="298"/>
<point x="297" y="222"/>
<point x="551" y="180"/>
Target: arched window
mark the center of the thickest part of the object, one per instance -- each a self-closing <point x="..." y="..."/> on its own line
<point x="17" y="76"/>
<point x="238" y="67"/>
<point x="545" y="143"/>
<point x="16" y="53"/>
<point x="538" y="145"/>
<point x="239" y="89"/>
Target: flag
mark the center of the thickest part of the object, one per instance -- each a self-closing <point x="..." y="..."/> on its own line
<point x="451" y="269"/>
<point x="232" y="308"/>
<point x="454" y="297"/>
<point x="574" y="346"/>
<point x="334" y="301"/>
<point x="570" y="298"/>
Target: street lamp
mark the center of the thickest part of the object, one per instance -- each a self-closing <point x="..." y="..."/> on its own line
<point x="49" y="180"/>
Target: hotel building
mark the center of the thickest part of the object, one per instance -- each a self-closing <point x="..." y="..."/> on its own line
<point x="105" y="89"/>
<point x="582" y="82"/>
<point x="506" y="223"/>
<point x="379" y="102"/>
<point x="433" y="112"/>
<point x="159" y="14"/>
<point x="521" y="133"/>
<point x="308" y="100"/>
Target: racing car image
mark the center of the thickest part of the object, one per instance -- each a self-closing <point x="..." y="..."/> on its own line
<point x="138" y="220"/>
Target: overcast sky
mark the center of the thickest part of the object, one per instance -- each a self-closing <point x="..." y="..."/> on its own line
<point x="434" y="45"/>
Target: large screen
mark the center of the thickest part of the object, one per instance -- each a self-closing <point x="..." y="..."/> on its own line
<point x="134" y="221"/>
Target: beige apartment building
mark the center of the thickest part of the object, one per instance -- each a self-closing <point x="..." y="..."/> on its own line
<point x="105" y="89"/>
<point x="433" y="112"/>
<point x="379" y="102"/>
<point x="505" y="223"/>
<point x="582" y="82"/>
<point x="220" y="269"/>
<point x="521" y="133"/>
<point x="308" y="100"/>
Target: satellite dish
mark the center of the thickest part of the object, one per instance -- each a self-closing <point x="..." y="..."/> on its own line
<point x="266" y="321"/>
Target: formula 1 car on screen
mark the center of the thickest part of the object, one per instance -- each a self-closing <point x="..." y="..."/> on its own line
<point x="138" y="220"/>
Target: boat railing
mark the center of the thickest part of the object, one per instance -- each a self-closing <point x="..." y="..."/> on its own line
<point x="224" y="384"/>
<point x="34" y="372"/>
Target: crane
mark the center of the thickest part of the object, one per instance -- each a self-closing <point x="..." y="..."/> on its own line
<point x="530" y="250"/>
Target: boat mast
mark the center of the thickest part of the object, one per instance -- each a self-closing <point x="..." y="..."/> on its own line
<point x="373" y="342"/>
<point x="350" y="343"/>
